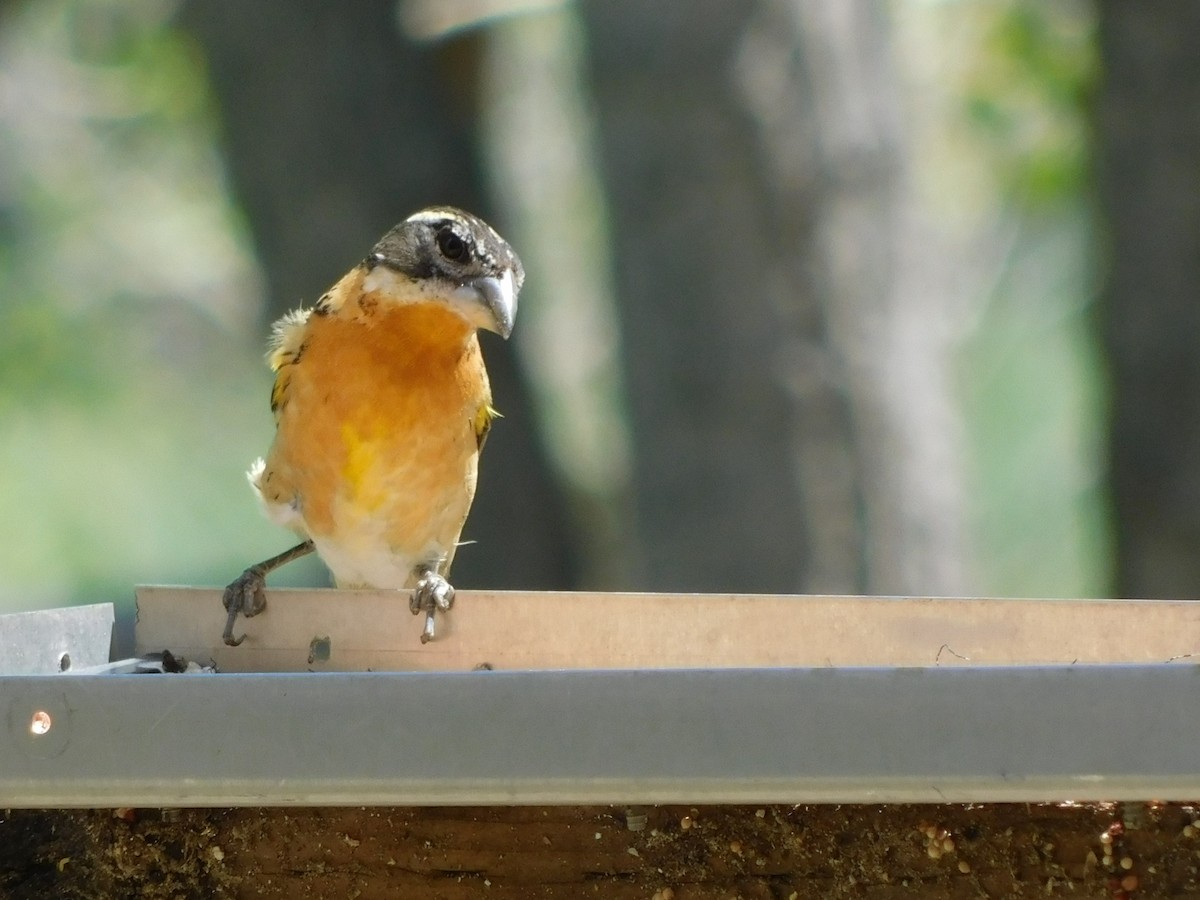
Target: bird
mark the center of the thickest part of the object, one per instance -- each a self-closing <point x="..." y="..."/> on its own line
<point x="382" y="405"/>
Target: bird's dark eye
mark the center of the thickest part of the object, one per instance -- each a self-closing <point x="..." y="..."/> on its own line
<point x="452" y="246"/>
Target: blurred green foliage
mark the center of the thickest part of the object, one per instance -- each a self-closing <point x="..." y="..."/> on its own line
<point x="1032" y="376"/>
<point x="1034" y="408"/>
<point x="1027" y="95"/>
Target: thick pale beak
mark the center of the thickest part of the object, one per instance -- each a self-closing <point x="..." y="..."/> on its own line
<point x="490" y="303"/>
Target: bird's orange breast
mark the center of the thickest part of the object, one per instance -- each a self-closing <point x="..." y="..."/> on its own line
<point x="376" y="443"/>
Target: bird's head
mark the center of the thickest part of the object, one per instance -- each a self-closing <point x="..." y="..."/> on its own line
<point x="445" y="255"/>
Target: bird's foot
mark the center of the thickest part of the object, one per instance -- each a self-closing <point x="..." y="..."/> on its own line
<point x="432" y="593"/>
<point x="244" y="595"/>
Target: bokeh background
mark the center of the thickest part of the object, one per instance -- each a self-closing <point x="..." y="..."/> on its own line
<point x="823" y="295"/>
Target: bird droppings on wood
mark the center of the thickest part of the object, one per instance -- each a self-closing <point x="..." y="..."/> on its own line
<point x="877" y="852"/>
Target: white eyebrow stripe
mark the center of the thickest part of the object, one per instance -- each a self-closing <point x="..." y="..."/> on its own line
<point x="434" y="214"/>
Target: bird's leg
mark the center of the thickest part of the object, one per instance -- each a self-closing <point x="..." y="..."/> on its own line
<point x="433" y="592"/>
<point x="245" y="593"/>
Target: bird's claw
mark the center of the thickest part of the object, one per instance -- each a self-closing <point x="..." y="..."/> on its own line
<point x="243" y="595"/>
<point x="432" y="593"/>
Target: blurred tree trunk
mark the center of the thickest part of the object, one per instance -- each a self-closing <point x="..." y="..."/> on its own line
<point x="1148" y="144"/>
<point x="792" y="427"/>
<point x="336" y="127"/>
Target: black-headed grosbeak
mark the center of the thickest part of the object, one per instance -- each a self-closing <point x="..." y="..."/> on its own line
<point x="382" y="404"/>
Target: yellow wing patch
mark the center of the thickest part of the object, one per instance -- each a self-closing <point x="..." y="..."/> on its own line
<point x="483" y="423"/>
<point x="279" y="391"/>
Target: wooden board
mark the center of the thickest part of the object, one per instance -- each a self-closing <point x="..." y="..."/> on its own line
<point x="330" y="630"/>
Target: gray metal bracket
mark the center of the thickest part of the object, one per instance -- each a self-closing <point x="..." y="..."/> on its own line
<point x="867" y="735"/>
<point x="55" y="640"/>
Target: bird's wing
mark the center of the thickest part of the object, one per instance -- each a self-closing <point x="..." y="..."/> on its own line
<point x="483" y="423"/>
<point x="285" y="350"/>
